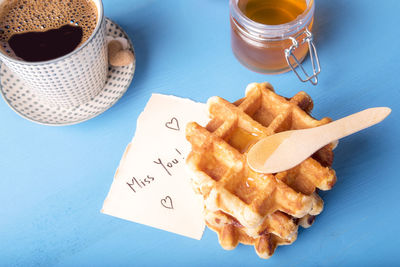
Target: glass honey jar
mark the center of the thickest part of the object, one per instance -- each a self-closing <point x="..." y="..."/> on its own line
<point x="274" y="36"/>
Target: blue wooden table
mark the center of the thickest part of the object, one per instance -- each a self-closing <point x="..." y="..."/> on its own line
<point x="53" y="180"/>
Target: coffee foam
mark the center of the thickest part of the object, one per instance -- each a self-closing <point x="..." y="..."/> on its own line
<point x="18" y="16"/>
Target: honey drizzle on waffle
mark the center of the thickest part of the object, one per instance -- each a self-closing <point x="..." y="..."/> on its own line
<point x="243" y="206"/>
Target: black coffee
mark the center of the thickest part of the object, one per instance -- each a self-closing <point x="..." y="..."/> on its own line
<point x="39" y="30"/>
<point x="51" y="44"/>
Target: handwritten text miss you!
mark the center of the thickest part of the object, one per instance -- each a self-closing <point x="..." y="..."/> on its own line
<point x="138" y="183"/>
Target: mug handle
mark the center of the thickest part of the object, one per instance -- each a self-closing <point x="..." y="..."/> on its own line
<point x="313" y="56"/>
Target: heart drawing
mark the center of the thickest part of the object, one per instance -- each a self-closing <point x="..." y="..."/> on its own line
<point x="173" y="124"/>
<point x="167" y="202"/>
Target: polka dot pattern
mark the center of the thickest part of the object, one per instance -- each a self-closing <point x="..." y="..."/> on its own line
<point x="27" y="104"/>
<point x="70" y="80"/>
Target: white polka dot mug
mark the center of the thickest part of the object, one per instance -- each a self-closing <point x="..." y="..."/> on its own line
<point x="70" y="80"/>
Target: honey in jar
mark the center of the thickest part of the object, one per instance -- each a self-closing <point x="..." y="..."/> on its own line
<point x="272" y="12"/>
<point x="273" y="36"/>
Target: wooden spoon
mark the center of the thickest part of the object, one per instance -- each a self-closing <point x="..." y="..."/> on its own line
<point x="282" y="151"/>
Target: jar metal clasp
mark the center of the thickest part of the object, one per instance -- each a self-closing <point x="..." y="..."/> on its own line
<point x="313" y="56"/>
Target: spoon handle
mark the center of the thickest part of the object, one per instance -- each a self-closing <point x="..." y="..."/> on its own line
<point x="354" y="123"/>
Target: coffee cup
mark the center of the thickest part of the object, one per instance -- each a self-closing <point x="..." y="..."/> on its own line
<point x="65" y="78"/>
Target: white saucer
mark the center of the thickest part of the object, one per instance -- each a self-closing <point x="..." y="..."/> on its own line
<point x="27" y="105"/>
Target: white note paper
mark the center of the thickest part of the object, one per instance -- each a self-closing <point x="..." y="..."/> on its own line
<point x="152" y="185"/>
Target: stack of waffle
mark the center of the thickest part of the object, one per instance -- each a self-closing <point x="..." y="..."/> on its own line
<point x="243" y="206"/>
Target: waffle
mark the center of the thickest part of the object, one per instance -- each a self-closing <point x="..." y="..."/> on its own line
<point x="244" y="206"/>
